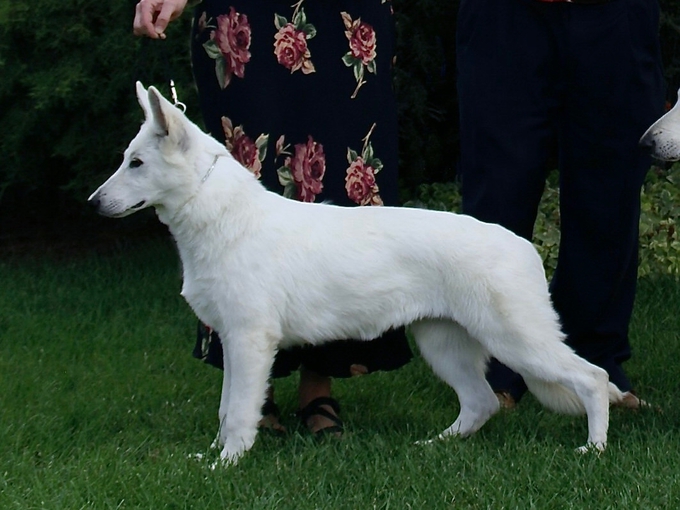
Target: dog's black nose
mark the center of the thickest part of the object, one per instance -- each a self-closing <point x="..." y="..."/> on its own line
<point x="647" y="141"/>
<point x="94" y="201"/>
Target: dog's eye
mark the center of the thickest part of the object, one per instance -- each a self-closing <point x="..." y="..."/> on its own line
<point x="136" y="163"/>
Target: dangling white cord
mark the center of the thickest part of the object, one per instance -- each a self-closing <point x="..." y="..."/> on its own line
<point x="177" y="103"/>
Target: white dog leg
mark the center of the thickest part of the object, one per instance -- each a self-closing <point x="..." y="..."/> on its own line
<point x="221" y="437"/>
<point x="250" y="361"/>
<point x="562" y="381"/>
<point x="590" y="383"/>
<point x="460" y="361"/>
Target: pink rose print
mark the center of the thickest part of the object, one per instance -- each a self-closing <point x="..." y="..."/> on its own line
<point x="290" y="41"/>
<point x="229" y="46"/>
<point x="362" y="42"/>
<point x="303" y="173"/>
<point x="308" y="167"/>
<point x="360" y="183"/>
<point x="362" y="49"/>
<point x="249" y="153"/>
<point x="290" y="48"/>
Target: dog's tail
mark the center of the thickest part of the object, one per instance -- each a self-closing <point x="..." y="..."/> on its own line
<point x="561" y="399"/>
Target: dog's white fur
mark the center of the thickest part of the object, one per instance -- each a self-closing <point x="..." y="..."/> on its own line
<point x="663" y="137"/>
<point x="267" y="272"/>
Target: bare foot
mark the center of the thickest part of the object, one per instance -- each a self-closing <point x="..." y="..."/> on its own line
<point x="357" y="370"/>
<point x="270" y="414"/>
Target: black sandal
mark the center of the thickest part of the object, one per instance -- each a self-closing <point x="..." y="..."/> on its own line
<point x="314" y="408"/>
<point x="269" y="420"/>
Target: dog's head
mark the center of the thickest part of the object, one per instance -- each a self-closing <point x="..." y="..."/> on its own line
<point x="158" y="168"/>
<point x="663" y="137"/>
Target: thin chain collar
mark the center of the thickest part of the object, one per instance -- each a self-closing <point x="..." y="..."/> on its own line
<point x="203" y="179"/>
<point x="212" y="167"/>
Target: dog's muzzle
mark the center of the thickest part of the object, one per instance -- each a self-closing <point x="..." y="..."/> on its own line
<point x="647" y="140"/>
<point x="96" y="203"/>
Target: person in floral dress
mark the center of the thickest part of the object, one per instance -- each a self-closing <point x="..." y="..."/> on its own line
<point x="301" y="94"/>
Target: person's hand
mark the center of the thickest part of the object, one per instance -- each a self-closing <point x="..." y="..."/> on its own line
<point x="152" y="16"/>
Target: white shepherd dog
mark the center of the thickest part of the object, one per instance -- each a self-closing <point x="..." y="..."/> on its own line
<point x="663" y="137"/>
<point x="268" y="272"/>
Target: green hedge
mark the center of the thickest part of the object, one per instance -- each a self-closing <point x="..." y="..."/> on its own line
<point x="659" y="219"/>
<point x="67" y="105"/>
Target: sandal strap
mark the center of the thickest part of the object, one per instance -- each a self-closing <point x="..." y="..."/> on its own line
<point x="314" y="408"/>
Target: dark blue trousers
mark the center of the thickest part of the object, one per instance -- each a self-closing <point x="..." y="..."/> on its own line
<point x="583" y="83"/>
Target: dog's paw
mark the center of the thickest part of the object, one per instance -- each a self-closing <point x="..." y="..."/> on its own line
<point x="217" y="443"/>
<point x="425" y="442"/>
<point x="596" y="448"/>
<point x="207" y="459"/>
<point x="227" y="459"/>
<point x="441" y="437"/>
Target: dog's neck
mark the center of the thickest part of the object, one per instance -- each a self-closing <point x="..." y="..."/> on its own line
<point x="179" y="209"/>
<point x="212" y="167"/>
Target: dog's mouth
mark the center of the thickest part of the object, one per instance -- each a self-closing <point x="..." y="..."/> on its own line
<point x="126" y="212"/>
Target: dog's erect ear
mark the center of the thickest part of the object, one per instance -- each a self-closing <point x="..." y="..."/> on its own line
<point x="167" y="119"/>
<point x="160" y="113"/>
<point x="143" y="98"/>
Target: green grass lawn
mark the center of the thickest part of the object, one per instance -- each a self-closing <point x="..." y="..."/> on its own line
<point x="101" y="405"/>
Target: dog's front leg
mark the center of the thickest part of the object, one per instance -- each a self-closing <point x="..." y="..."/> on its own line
<point x="251" y="357"/>
<point x="221" y="437"/>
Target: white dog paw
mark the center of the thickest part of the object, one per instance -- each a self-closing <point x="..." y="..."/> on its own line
<point x="216" y="444"/>
<point x="230" y="456"/>
<point x="222" y="463"/>
<point x="440" y="437"/>
<point x="596" y="448"/>
<point x="424" y="442"/>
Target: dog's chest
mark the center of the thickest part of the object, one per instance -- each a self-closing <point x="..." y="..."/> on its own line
<point x="199" y="289"/>
<point x="199" y="296"/>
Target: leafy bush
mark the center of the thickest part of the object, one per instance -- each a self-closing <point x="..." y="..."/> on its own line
<point x="67" y="104"/>
<point x="426" y="91"/>
<point x="660" y="215"/>
<point x="660" y="245"/>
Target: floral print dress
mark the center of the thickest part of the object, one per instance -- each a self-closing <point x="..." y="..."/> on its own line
<point x="301" y="94"/>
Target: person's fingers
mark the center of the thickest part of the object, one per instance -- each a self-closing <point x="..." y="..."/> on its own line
<point x="143" y="24"/>
<point x="167" y="13"/>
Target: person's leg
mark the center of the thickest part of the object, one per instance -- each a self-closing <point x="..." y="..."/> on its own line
<point x="318" y="410"/>
<point x="342" y="359"/>
<point x="508" y="98"/>
<point x="615" y="92"/>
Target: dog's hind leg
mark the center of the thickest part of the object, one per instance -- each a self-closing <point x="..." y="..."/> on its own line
<point x="250" y="359"/>
<point x="559" y="379"/>
<point x="460" y="360"/>
<point x="587" y="381"/>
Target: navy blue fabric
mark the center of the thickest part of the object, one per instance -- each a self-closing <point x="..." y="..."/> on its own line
<point x="576" y="84"/>
<point x="271" y="99"/>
